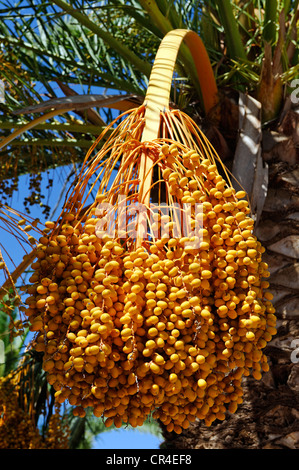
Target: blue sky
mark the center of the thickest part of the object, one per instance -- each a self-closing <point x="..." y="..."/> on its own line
<point x="16" y="202"/>
<point x="126" y="439"/>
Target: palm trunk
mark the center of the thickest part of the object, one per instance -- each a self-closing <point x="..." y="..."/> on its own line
<point x="268" y="416"/>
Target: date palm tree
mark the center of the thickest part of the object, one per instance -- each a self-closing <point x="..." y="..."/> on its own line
<point x="253" y="49"/>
